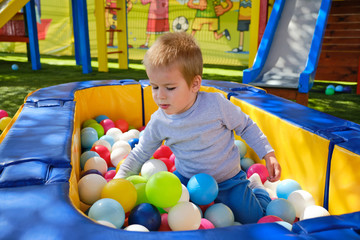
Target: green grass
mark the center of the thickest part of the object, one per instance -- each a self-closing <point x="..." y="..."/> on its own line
<point x="16" y="85"/>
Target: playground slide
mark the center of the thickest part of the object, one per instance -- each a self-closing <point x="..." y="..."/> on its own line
<point x="289" y="50"/>
<point x="8" y="8"/>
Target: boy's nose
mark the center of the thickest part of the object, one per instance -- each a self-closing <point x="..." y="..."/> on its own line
<point x="161" y="94"/>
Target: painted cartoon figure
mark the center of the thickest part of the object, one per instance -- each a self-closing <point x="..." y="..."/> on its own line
<point x="244" y="18"/>
<point x="208" y="12"/>
<point x="111" y="17"/>
<point x="158" y="19"/>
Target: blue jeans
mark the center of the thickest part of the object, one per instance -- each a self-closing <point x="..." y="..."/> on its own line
<point x="247" y="205"/>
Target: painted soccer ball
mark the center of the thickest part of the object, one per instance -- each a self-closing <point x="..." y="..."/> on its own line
<point x="180" y="24"/>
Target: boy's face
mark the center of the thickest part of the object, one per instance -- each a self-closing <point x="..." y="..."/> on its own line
<point x="170" y="90"/>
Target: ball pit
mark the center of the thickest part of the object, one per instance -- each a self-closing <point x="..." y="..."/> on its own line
<point x="147" y="215"/>
<point x="90" y="188"/>
<point x="259" y="169"/>
<point x="283" y="209"/>
<point x="184" y="216"/>
<point x="109" y="210"/>
<point x="203" y="189"/>
<point x="151" y="167"/>
<point x="286" y="187"/>
<point x="220" y="215"/>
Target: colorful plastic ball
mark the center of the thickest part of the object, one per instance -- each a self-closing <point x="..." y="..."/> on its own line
<point x="87" y="155"/>
<point x="242" y="147"/>
<point x="103" y="152"/>
<point x="204" y="207"/>
<point x="110" y="174"/>
<point x="146" y="215"/>
<point x="281" y="208"/>
<point x="115" y="133"/>
<point x="259" y="169"/>
<point x="96" y="163"/>
<point x="347" y="89"/>
<point x="246" y="163"/>
<point x="109" y="210"/>
<point x="90" y="171"/>
<point x="106" y="223"/>
<point x="121" y="144"/>
<point x="162" y="152"/>
<point x="103" y="143"/>
<point x="122" y="125"/>
<point x="286" y="225"/>
<point x="203" y="189"/>
<point x="4" y="122"/>
<point x="339" y="88"/>
<point x="88" y="122"/>
<point x="117" y="155"/>
<point x="100" y="118"/>
<point x="314" y="211"/>
<point x="132" y="142"/>
<point x="163" y="189"/>
<point x="3" y="113"/>
<point x="98" y="128"/>
<point x="185" y="197"/>
<point x="169" y="164"/>
<point x="269" y="219"/>
<point x="164" y="226"/>
<point x="141" y="193"/>
<point x="90" y="188"/>
<point x="88" y="137"/>
<point x="184" y="216"/>
<point x="135" y="179"/>
<point x="122" y="191"/>
<point x="136" y="228"/>
<point x="107" y="124"/>
<point x="15" y="67"/>
<point x="220" y="215"/>
<point x="206" y="224"/>
<point x="329" y="91"/>
<point x="172" y="158"/>
<point x="134" y="132"/>
<point x="330" y="86"/>
<point x="300" y="199"/>
<point x="152" y="166"/>
<point x="286" y="187"/>
<point x="109" y="139"/>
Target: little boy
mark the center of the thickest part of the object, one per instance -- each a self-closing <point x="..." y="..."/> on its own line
<point x="199" y="129"/>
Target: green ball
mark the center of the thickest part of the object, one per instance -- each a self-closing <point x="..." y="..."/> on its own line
<point x="329" y="91"/>
<point x="135" y="179"/>
<point x="141" y="194"/>
<point x="99" y="129"/>
<point x="163" y="189"/>
<point x="88" y="122"/>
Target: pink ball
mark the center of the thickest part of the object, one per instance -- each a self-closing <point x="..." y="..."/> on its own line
<point x="206" y="224"/>
<point x="259" y="169"/>
<point x="3" y="113"/>
<point x="172" y="158"/>
<point x="107" y="124"/>
<point x="164" y="226"/>
<point x="162" y="152"/>
<point x="269" y="219"/>
<point x="110" y="174"/>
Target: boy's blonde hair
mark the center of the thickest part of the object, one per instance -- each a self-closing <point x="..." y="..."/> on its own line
<point x="180" y="49"/>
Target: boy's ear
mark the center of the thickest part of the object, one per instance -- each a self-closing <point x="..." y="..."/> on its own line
<point x="196" y="84"/>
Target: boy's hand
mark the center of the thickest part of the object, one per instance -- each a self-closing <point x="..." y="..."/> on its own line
<point x="273" y="167"/>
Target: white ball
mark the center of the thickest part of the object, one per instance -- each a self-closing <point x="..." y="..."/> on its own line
<point x="137" y="228"/>
<point x="126" y="136"/>
<point x="271" y="185"/>
<point x="300" y="199"/>
<point x="121" y="144"/>
<point x="151" y="167"/>
<point x="286" y="225"/>
<point x="117" y="155"/>
<point x="103" y="143"/>
<point x="115" y="133"/>
<point x="106" y="223"/>
<point x="97" y="163"/>
<point x="184" y="216"/>
<point x="90" y="187"/>
<point x="314" y="211"/>
<point x="271" y="193"/>
<point x="134" y="132"/>
<point x="185" y="196"/>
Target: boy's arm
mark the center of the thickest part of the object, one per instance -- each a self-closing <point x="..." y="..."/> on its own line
<point x="273" y="167"/>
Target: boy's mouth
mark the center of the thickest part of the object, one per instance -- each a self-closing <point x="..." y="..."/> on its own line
<point x="164" y="106"/>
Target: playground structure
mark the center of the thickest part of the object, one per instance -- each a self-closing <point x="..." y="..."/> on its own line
<point x="38" y="181"/>
<point x="289" y="51"/>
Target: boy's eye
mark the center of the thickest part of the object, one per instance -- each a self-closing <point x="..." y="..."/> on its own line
<point x="155" y="87"/>
<point x="170" y="88"/>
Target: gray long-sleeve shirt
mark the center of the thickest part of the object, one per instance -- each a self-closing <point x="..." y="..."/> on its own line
<point x="202" y="139"/>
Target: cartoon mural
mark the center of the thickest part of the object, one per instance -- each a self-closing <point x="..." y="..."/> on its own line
<point x="244" y="18"/>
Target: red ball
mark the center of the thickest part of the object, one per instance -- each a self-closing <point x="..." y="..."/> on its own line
<point x="142" y="128"/>
<point x="107" y="124"/>
<point x="204" y="207"/>
<point x="169" y="164"/>
<point x="172" y="158"/>
<point x="162" y="152"/>
<point x="164" y="226"/>
<point x="122" y="125"/>
<point x="269" y="219"/>
<point x="104" y="153"/>
<point x="3" y="113"/>
<point x="206" y="224"/>
<point x="172" y="169"/>
<point x="259" y="169"/>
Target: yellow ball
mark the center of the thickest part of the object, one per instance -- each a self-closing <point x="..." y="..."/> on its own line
<point x="4" y="122"/>
<point x="119" y="164"/>
<point x="122" y="191"/>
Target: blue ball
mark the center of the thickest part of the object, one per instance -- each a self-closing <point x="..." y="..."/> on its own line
<point x="339" y="88"/>
<point x="14" y="67"/>
<point x="246" y="163"/>
<point x="101" y="117"/>
<point x="286" y="187"/>
<point x="203" y="189"/>
<point x="283" y="209"/>
<point x="87" y="155"/>
<point x="147" y="215"/>
<point x="347" y="89"/>
<point x="220" y="215"/>
<point x="109" y="210"/>
<point x="133" y="142"/>
<point x="88" y="136"/>
<point x="242" y="148"/>
<point x="108" y="138"/>
<point x="331" y="86"/>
